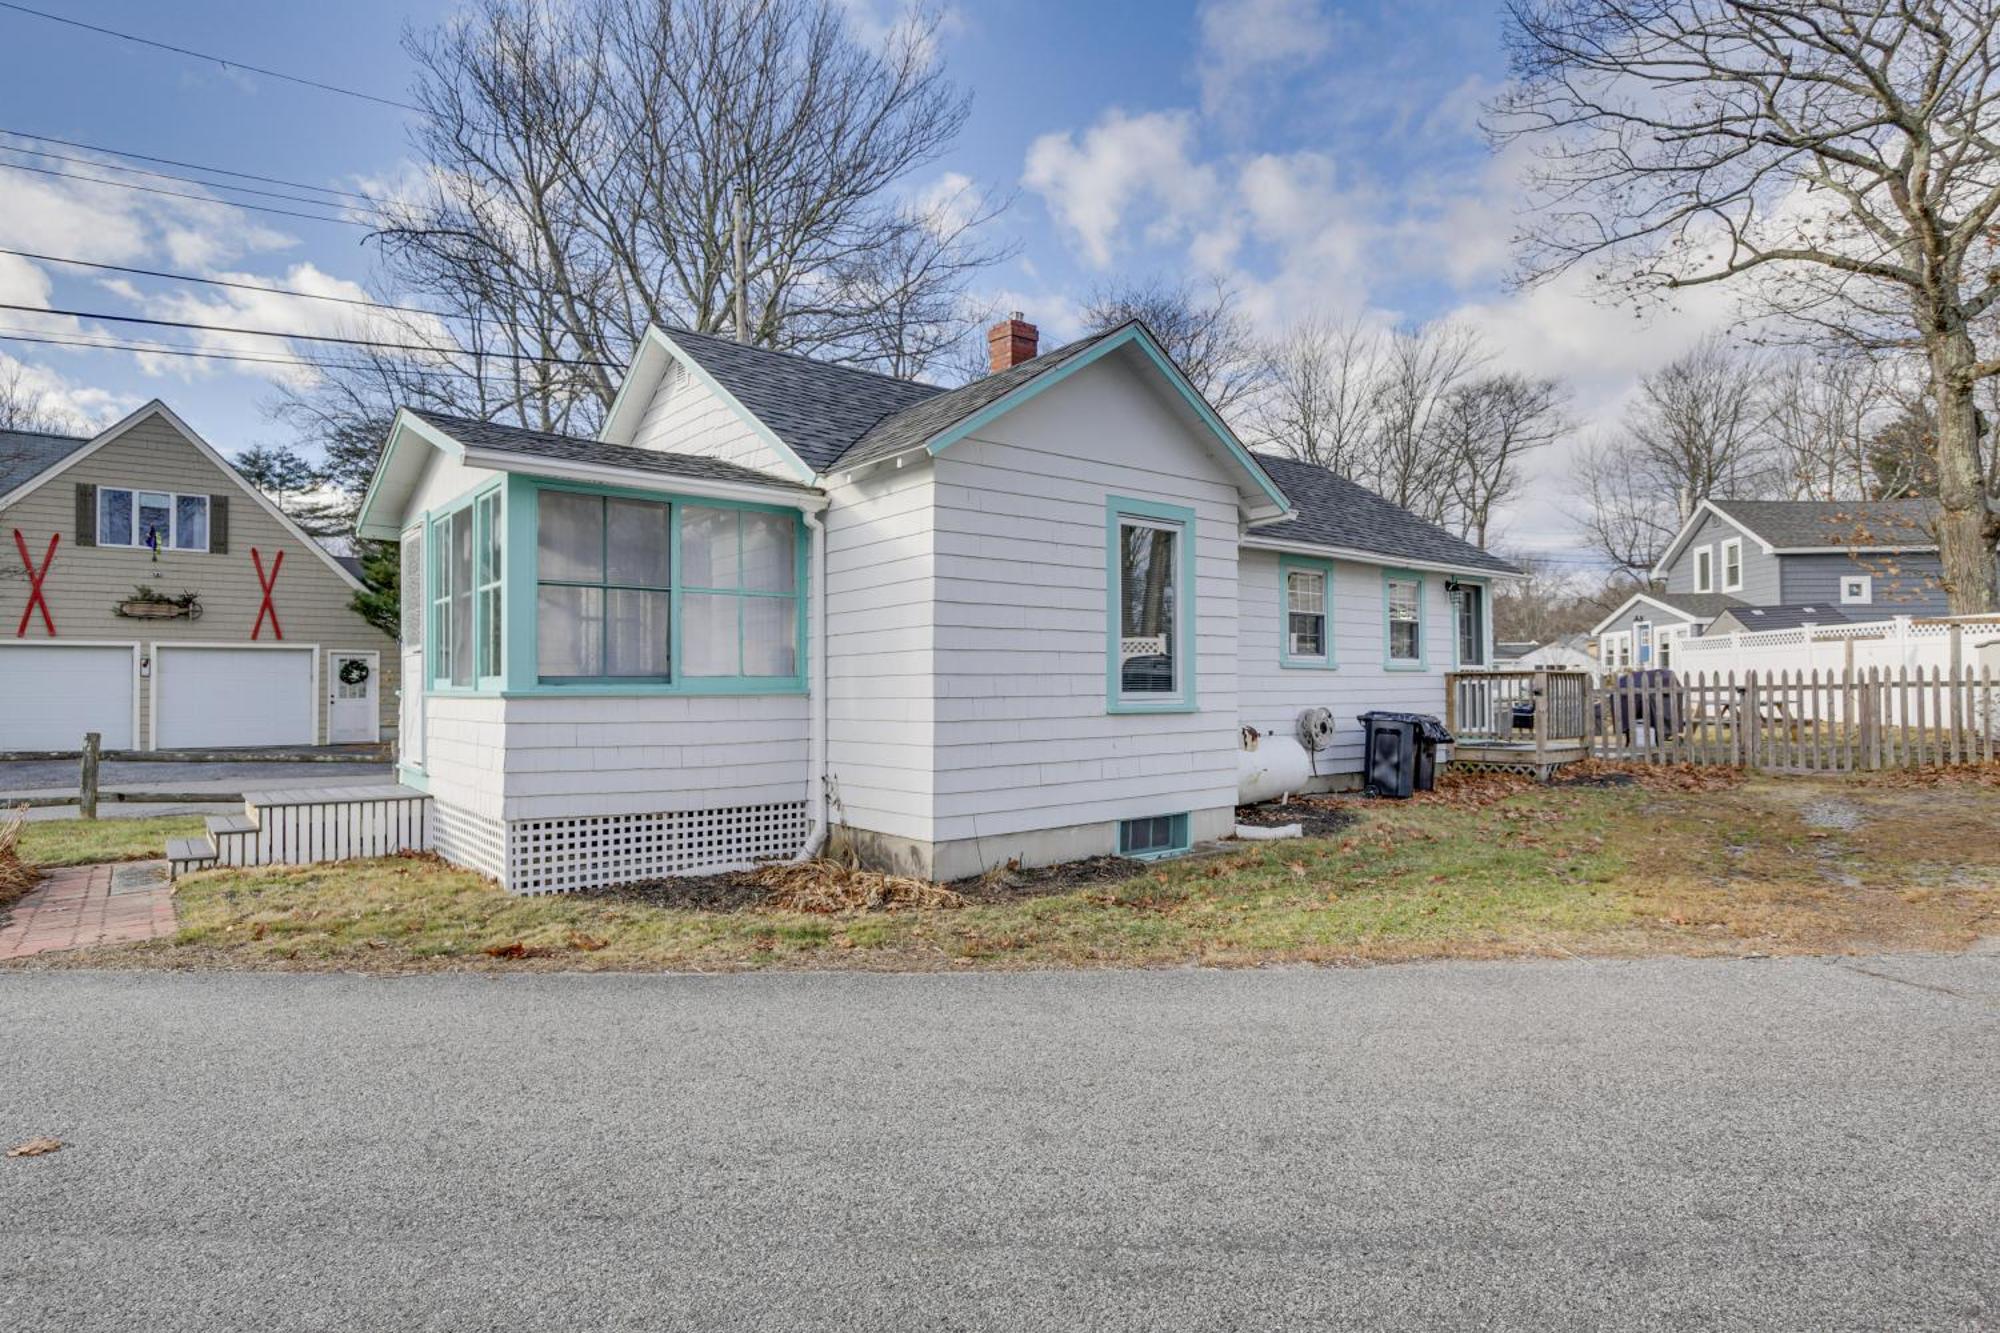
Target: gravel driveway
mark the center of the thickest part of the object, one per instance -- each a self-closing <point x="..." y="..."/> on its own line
<point x="1664" y="1144"/>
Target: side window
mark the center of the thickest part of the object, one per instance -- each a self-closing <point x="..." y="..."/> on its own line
<point x="1306" y="608"/>
<point x="1403" y="602"/>
<point x="1149" y="585"/>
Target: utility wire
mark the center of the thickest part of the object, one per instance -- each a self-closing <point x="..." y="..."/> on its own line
<point x="179" y="194"/>
<point x="191" y="166"/>
<point x="151" y="349"/>
<point x="213" y="59"/>
<point x="225" y="282"/>
<point x="186" y="180"/>
<point x="309" y="337"/>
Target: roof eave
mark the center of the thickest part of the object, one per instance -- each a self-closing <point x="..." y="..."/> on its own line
<point x="708" y="488"/>
<point x="657" y="336"/>
<point x="1326" y="550"/>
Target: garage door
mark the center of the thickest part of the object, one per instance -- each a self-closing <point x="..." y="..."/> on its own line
<point x="211" y="697"/>
<point x="51" y="694"/>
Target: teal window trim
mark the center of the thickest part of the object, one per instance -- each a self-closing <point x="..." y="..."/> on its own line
<point x="437" y="642"/>
<point x="1485" y="622"/>
<point x="1179" y="842"/>
<point x="1421" y="661"/>
<point x="522" y="679"/>
<point x="1118" y="508"/>
<point x="1303" y="564"/>
<point x="413" y="775"/>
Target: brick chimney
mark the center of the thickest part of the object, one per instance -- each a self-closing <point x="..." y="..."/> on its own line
<point x="1010" y="342"/>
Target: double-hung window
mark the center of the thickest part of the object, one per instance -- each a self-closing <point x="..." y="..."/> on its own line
<point x="158" y="520"/>
<point x="1704" y="569"/>
<point x="487" y="585"/>
<point x="667" y="593"/>
<point x="1306" y="587"/>
<point x="1150" y="578"/>
<point x="452" y="599"/>
<point x="1403" y="630"/>
<point x="1732" y="565"/>
<point x="602" y="606"/>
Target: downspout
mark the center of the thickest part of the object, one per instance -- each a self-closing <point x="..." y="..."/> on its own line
<point x="816" y="709"/>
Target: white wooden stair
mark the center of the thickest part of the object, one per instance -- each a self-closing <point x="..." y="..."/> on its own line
<point x="306" y="825"/>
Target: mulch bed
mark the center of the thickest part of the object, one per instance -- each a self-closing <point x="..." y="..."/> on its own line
<point x="736" y="891"/>
<point x="1013" y="884"/>
<point x="1317" y="817"/>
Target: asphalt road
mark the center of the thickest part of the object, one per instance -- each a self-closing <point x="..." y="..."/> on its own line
<point x="58" y="777"/>
<point x="1669" y="1144"/>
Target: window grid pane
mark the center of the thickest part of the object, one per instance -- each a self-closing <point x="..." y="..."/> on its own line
<point x="114" y="518"/>
<point x="1405" y="635"/>
<point x="191" y="522"/>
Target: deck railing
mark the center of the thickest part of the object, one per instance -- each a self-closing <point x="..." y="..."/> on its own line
<point x="1505" y="707"/>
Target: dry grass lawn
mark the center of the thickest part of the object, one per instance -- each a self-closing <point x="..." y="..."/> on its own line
<point x="1676" y="862"/>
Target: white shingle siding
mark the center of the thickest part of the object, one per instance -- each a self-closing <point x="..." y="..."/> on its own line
<point x="687" y="417"/>
<point x="881" y="603"/>
<point x="1024" y="739"/>
<point x="1272" y="696"/>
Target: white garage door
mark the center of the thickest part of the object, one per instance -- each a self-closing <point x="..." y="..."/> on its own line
<point x="52" y="693"/>
<point x="209" y="697"/>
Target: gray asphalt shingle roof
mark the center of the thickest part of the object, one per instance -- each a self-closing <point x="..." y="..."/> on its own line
<point x="1787" y="617"/>
<point x="571" y="449"/>
<point x="25" y="454"/>
<point x="1699" y="605"/>
<point x="1785" y="523"/>
<point x="818" y="409"/>
<point x="1334" y="511"/>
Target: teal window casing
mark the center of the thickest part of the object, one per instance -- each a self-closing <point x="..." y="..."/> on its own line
<point x="523" y="614"/>
<point x="1308" y="568"/>
<point x="456" y="541"/>
<point x="1179" y="696"/>
<point x="1153" y="836"/>
<point x="1399" y="608"/>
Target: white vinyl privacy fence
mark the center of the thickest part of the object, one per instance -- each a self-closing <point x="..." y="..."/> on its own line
<point x="1902" y="643"/>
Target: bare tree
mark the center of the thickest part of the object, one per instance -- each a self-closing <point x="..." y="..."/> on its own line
<point x="1835" y="159"/>
<point x="1318" y="402"/>
<point x="1201" y="328"/>
<point x="1489" y="425"/>
<point x="1627" y="517"/>
<point x="1410" y="458"/>
<point x="23" y="407"/>
<point x="1823" y="412"/>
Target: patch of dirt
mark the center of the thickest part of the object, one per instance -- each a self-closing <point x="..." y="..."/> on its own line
<point x="736" y="891"/>
<point x="1010" y="883"/>
<point x="1317" y="817"/>
<point x="1651" y="777"/>
<point x="1831" y="814"/>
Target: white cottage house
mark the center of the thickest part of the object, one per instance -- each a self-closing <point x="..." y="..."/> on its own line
<point x="777" y="601"/>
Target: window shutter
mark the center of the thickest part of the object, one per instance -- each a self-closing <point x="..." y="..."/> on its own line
<point x="86" y="515"/>
<point x="218" y="525"/>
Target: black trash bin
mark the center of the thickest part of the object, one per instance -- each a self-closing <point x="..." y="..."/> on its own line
<point x="1400" y="751"/>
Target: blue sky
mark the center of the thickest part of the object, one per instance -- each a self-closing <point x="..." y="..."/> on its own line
<point x="1321" y="157"/>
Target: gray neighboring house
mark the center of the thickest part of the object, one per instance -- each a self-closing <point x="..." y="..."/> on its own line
<point x="1852" y="560"/>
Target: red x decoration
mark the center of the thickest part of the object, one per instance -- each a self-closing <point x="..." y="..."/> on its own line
<point x="35" y="577"/>
<point x="277" y="563"/>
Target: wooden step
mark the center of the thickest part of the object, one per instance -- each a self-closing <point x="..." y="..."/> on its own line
<point x="235" y="839"/>
<point x="188" y="854"/>
<point x="307" y="825"/>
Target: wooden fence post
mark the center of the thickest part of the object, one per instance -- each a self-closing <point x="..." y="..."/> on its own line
<point x="86" y="796"/>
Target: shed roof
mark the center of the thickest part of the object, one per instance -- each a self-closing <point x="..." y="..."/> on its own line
<point x="1335" y="512"/>
<point x="1786" y="617"/>
<point x="527" y="443"/>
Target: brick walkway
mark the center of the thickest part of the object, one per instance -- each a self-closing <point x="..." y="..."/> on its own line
<point x="82" y="905"/>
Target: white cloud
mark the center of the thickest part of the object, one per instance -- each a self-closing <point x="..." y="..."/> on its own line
<point x="1244" y="43"/>
<point x="1090" y="182"/>
<point x="81" y="407"/>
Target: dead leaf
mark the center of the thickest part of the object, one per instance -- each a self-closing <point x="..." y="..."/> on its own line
<point x="512" y="949"/>
<point x="587" y="943"/>
<point x="41" y="1147"/>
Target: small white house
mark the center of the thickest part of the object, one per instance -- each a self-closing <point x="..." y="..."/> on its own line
<point x="778" y="600"/>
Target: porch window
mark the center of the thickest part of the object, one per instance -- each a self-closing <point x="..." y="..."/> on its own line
<point x="1403" y="598"/>
<point x="1150" y="577"/>
<point x="739" y="602"/>
<point x="488" y="588"/>
<point x="1306" y="612"/>
<point x="602" y="602"/>
<point x="452" y="599"/>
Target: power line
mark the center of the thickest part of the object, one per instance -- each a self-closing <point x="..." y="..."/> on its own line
<point x="179" y="194"/>
<point x="191" y="166"/>
<point x="185" y="180"/>
<point x="162" y="349"/>
<point x="218" y="60"/>
<point x="309" y="337"/>
<point x="225" y="282"/>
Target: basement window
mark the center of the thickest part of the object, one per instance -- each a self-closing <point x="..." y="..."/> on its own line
<point x="1153" y="836"/>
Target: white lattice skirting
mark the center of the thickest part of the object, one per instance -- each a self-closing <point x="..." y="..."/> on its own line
<point x="466" y="839"/>
<point x="593" y="851"/>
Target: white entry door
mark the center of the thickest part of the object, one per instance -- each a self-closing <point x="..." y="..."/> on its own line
<point x="352" y="712"/>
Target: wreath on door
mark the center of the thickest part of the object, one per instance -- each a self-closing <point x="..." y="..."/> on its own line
<point x="353" y="671"/>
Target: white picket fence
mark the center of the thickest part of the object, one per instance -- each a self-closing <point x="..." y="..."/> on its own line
<point x="1902" y="643"/>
